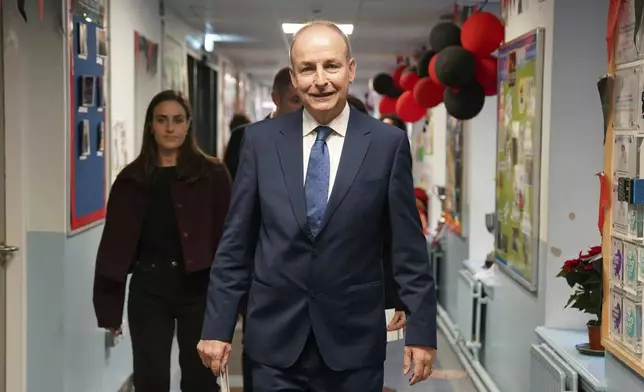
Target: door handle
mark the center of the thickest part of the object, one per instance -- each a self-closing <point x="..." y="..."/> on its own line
<point x="5" y="253"/>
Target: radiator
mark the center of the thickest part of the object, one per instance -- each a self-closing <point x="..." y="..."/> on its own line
<point x="466" y="292"/>
<point x="468" y="315"/>
<point x="549" y="373"/>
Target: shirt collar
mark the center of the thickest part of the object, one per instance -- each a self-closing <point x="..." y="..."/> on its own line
<point x="338" y="124"/>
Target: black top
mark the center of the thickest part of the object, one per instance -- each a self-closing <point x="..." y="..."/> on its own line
<point x="159" y="236"/>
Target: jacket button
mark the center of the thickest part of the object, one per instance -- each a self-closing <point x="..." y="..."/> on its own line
<point x="179" y="205"/>
<point x="185" y="234"/>
<point x="314" y="252"/>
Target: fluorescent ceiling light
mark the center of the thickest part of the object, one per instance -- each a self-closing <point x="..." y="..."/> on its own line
<point x="292" y="28"/>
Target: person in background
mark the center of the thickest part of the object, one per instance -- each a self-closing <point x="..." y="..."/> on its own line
<point x="165" y="216"/>
<point x="422" y="203"/>
<point x="285" y="99"/>
<point x="394" y="120"/>
<point x="356" y="103"/>
<point x="238" y="120"/>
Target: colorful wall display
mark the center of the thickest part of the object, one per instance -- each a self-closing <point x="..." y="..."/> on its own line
<point x="518" y="157"/>
<point x="88" y="106"/>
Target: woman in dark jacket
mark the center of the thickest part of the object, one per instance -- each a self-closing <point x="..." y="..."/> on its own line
<point x="165" y="216"/>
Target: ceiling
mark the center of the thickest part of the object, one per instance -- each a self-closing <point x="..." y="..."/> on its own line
<point x="383" y="29"/>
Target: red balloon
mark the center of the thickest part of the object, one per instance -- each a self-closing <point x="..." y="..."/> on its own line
<point x="487" y="74"/>
<point x="387" y="105"/>
<point x="431" y="69"/>
<point x="408" y="109"/>
<point x="482" y="33"/>
<point x="427" y="93"/>
<point x="397" y="74"/>
<point x="409" y="80"/>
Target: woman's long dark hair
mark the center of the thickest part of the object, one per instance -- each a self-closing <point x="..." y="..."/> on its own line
<point x="191" y="161"/>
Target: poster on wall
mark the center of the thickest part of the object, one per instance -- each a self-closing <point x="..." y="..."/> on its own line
<point x="421" y="167"/>
<point x="175" y="72"/>
<point x="518" y="157"/>
<point x="120" y="155"/>
<point x="454" y="180"/>
<point x="625" y="48"/>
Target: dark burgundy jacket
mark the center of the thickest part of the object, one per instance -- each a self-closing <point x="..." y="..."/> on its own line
<point x="201" y="206"/>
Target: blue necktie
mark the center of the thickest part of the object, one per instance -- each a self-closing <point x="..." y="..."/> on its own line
<point x="316" y="186"/>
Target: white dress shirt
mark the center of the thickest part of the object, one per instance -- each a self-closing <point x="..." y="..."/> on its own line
<point x="334" y="143"/>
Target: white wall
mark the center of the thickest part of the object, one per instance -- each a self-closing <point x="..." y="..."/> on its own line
<point x="480" y="186"/>
<point x="438" y="177"/>
<point x="34" y="86"/>
<point x="571" y="155"/>
<point x="127" y="16"/>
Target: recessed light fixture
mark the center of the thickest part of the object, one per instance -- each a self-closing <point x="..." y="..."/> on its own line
<point x="292" y="28"/>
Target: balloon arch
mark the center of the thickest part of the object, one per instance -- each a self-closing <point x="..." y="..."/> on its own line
<point x="458" y="70"/>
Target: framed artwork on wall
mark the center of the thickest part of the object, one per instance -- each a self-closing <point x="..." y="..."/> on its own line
<point x="82" y="40"/>
<point x="518" y="176"/>
<point x="88" y="91"/>
<point x="101" y="42"/>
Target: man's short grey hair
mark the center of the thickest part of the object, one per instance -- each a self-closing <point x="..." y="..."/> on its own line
<point x="324" y="23"/>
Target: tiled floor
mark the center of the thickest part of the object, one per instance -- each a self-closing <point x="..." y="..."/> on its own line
<point x="448" y="375"/>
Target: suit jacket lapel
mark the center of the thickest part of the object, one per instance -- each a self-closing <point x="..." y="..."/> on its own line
<point x="289" y="150"/>
<point x="356" y="144"/>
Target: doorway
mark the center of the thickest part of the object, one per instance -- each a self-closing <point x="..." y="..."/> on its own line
<point x="202" y="90"/>
<point x="4" y="250"/>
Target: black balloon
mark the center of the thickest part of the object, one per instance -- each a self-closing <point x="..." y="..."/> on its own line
<point x="443" y="35"/>
<point x="423" y="64"/>
<point x="466" y="103"/>
<point x="455" y="66"/>
<point x="383" y="84"/>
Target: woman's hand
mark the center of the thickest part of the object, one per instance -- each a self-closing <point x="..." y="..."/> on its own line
<point x="398" y="321"/>
<point x="115" y="331"/>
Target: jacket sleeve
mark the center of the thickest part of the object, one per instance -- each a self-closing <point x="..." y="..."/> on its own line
<point x="230" y="272"/>
<point x="221" y="200"/>
<point x="109" y="293"/>
<point x="392" y="299"/>
<point x="409" y="256"/>
<point x="109" y="297"/>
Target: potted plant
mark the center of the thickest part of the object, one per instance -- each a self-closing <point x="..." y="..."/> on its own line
<point x="584" y="275"/>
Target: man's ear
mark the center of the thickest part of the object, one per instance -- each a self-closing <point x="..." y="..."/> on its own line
<point x="352" y="70"/>
<point x="276" y="98"/>
<point x="292" y="73"/>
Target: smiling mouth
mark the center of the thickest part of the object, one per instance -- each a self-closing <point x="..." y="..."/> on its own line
<point x="323" y="95"/>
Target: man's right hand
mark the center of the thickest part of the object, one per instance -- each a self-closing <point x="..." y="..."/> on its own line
<point x="214" y="355"/>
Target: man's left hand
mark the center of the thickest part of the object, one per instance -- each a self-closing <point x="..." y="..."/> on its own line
<point x="423" y="360"/>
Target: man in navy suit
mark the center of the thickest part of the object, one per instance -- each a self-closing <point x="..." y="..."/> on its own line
<point x="315" y="194"/>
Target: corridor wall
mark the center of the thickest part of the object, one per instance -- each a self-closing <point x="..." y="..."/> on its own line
<point x="35" y="130"/>
<point x="54" y="344"/>
<point x="480" y="160"/>
<point x="571" y="155"/>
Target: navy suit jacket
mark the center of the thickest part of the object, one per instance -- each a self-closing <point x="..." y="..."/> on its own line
<point x="331" y="284"/>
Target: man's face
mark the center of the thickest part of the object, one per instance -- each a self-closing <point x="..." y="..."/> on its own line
<point x="286" y="102"/>
<point x="321" y="72"/>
